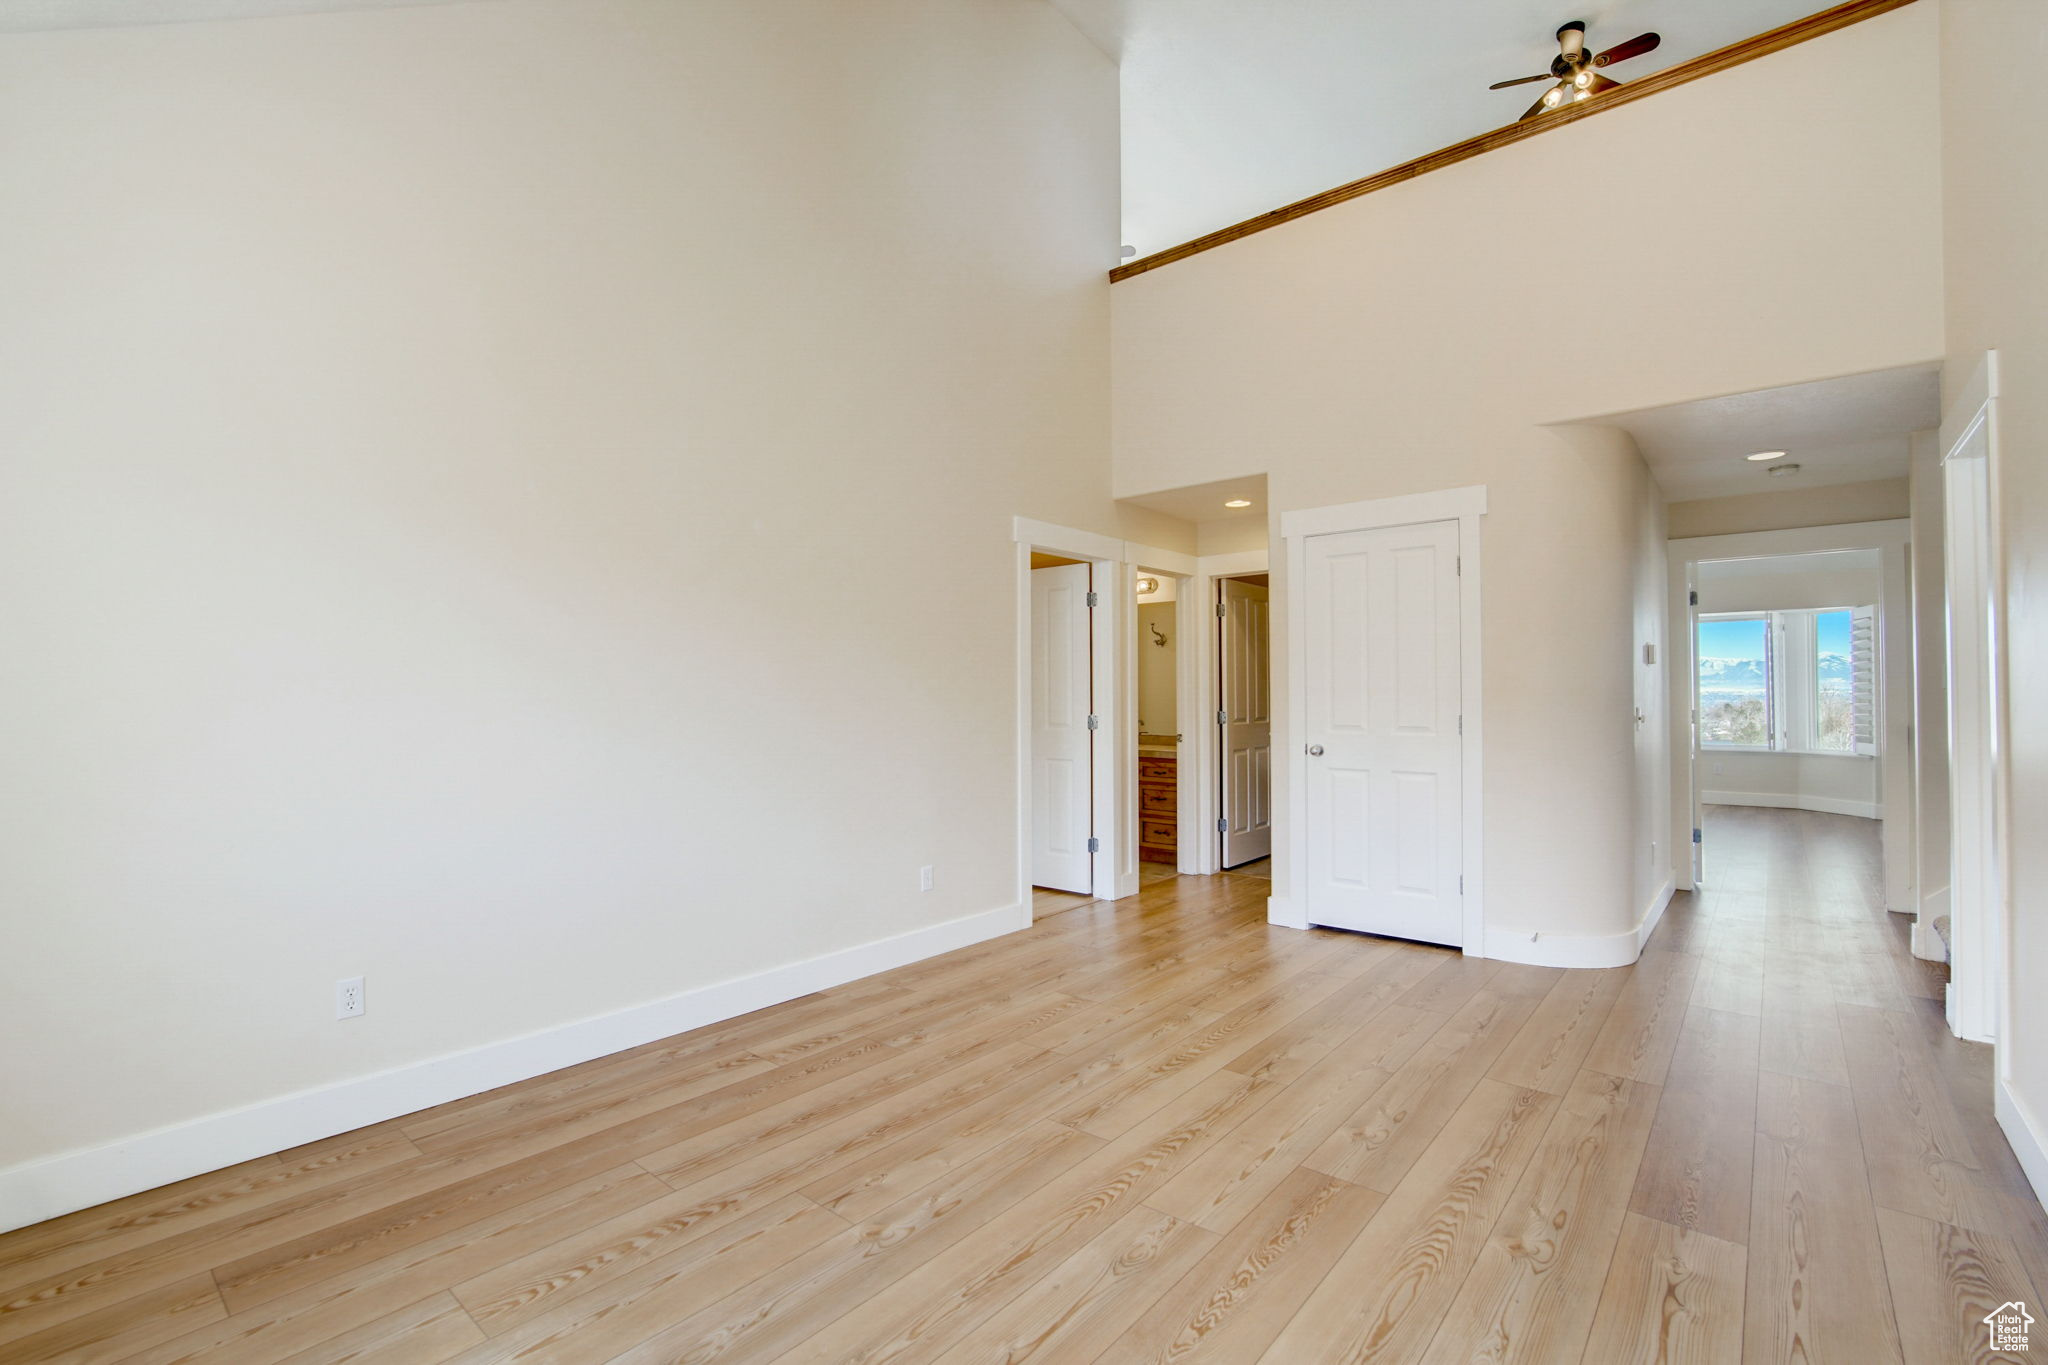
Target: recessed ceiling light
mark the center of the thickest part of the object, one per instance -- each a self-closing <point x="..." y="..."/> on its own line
<point x="1779" y="471"/>
<point x="1763" y="455"/>
<point x="1239" y="502"/>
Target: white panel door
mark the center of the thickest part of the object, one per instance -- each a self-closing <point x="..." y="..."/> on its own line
<point x="1247" y="721"/>
<point x="1062" y="768"/>
<point x="1382" y="764"/>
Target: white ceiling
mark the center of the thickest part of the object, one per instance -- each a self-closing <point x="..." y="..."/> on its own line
<point x="1203" y="502"/>
<point x="1231" y="109"/>
<point x="1837" y="431"/>
<point x="29" y="16"/>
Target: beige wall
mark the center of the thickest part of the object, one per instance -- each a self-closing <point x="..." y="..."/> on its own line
<point x="1395" y="344"/>
<point x="437" y="442"/>
<point x="1157" y="679"/>
<point x="1995" y="142"/>
<point x="1650" y="575"/>
<point x="1232" y="537"/>
<point x="1837" y="505"/>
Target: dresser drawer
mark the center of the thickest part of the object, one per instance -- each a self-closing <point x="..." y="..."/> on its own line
<point x="1155" y="798"/>
<point x="1158" y="833"/>
<point x="1157" y="769"/>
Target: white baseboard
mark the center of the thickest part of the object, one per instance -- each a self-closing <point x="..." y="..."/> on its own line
<point x="2024" y="1132"/>
<point x="1925" y="943"/>
<point x="1582" y="950"/>
<point x="1825" y="805"/>
<point x="1653" y="913"/>
<point x="34" y="1191"/>
<point x="1281" y="911"/>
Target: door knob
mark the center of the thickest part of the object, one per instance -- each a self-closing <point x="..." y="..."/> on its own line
<point x="1314" y="751"/>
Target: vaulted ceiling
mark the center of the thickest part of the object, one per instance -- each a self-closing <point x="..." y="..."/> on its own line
<point x="1231" y="109"/>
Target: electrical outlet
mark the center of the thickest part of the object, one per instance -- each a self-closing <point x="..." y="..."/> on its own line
<point x="348" y="997"/>
<point x="924" y="878"/>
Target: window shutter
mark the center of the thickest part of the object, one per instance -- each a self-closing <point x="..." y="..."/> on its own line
<point x="1863" y="677"/>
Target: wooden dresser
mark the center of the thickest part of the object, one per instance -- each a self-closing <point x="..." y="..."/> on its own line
<point x="1158" y="807"/>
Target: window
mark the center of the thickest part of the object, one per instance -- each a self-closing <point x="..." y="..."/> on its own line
<point x="1834" y="725"/>
<point x="1793" y="681"/>
<point x="1735" y="681"/>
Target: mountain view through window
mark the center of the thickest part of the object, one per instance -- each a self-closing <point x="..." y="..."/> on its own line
<point x="1739" y="696"/>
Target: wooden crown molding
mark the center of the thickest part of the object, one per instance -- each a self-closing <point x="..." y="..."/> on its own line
<point x="1735" y="54"/>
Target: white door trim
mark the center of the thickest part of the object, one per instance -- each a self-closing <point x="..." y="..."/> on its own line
<point x="1201" y="849"/>
<point x="1979" y="918"/>
<point x="1112" y="799"/>
<point x="1464" y="506"/>
<point x="1187" y="623"/>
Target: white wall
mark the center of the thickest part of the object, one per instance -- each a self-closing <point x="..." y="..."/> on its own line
<point x="440" y="444"/>
<point x="1412" y="340"/>
<point x="1994" y="143"/>
<point x="1844" y="785"/>
<point x="1930" y="683"/>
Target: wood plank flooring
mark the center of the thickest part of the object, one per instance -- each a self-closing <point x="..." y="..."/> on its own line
<point x="1158" y="1131"/>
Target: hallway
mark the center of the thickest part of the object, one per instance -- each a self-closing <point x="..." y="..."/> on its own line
<point x="1158" y="1129"/>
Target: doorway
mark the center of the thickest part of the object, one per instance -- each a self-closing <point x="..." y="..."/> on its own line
<point x="1791" y="657"/>
<point x="1976" y="931"/>
<point x="1381" y="716"/>
<point x="1161" y="603"/>
<point x="1063" y="724"/>
<point x="1244" y="719"/>
<point x="1787" y="684"/>
<point x="1071" y="796"/>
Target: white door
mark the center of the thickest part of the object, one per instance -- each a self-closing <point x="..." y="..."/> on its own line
<point x="1384" y="814"/>
<point x="1062" y="768"/>
<point x="1247" y="720"/>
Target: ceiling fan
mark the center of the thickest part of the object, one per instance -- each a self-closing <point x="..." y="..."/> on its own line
<point x="1573" y="68"/>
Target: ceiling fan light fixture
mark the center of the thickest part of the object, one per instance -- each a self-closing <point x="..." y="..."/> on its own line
<point x="1553" y="96"/>
<point x="1584" y="80"/>
<point x="1582" y="95"/>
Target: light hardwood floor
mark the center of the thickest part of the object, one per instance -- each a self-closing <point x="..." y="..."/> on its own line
<point x="1158" y="1130"/>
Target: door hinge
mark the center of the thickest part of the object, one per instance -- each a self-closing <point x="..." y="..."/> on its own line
<point x="1692" y="598"/>
<point x="1222" y="717"/>
<point x="1222" y="824"/>
<point x="1093" y="600"/>
<point x="1695" y="834"/>
<point x="1219" y="609"/>
<point x="1094" y="845"/>
<point x="1094" y="722"/>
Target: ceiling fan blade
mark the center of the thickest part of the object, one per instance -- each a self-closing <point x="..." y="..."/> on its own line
<point x="1634" y="47"/>
<point x="1521" y="80"/>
